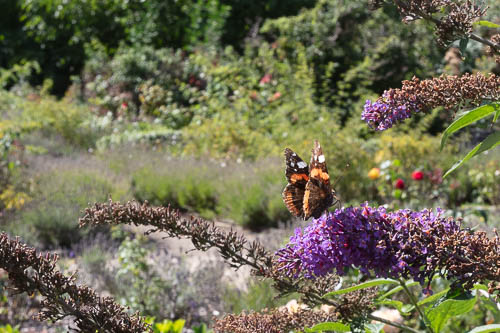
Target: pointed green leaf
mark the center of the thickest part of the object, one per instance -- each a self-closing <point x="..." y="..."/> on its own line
<point x="374" y="328"/>
<point x="433" y="298"/>
<point x="490" y="142"/>
<point x="364" y="285"/>
<point x="497" y="114"/>
<point x="400" y="306"/>
<point x="459" y="304"/>
<point x="463" y="45"/>
<point x="479" y="286"/>
<point x="398" y="289"/>
<point x="487" y="24"/>
<point x="331" y="326"/>
<point x="469" y="118"/>
<point x="486" y="329"/>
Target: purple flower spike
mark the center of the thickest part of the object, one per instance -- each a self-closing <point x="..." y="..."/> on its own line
<point x="397" y="244"/>
<point x="387" y="111"/>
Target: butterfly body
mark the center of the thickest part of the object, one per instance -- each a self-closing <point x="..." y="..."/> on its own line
<point x="308" y="192"/>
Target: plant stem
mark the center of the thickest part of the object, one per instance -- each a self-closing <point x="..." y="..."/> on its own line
<point x="415" y="303"/>
<point x="485" y="41"/>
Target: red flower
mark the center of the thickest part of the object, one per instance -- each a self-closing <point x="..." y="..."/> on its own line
<point x="124" y="105"/>
<point x="265" y="79"/>
<point x="417" y="175"/>
<point x="400" y="184"/>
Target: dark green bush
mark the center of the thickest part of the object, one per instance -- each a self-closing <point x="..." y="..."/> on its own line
<point x="252" y="198"/>
<point x="158" y="188"/>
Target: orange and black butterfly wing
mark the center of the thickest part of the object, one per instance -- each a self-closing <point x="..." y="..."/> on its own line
<point x="318" y="195"/>
<point x="297" y="174"/>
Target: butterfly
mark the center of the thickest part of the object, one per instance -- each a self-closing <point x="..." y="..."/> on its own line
<point x="308" y="192"/>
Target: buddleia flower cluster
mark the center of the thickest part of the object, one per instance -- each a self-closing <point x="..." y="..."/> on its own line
<point x="396" y="105"/>
<point x="401" y="244"/>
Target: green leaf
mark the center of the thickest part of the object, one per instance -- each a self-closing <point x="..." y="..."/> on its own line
<point x="490" y="142"/>
<point x="178" y="325"/>
<point x="479" y="286"/>
<point x="331" y="326"/>
<point x="463" y="45"/>
<point x="433" y="298"/>
<point x="486" y="328"/>
<point x="452" y="306"/>
<point x="398" y="289"/>
<point x="374" y="328"/>
<point x="487" y="24"/>
<point x="497" y="114"/>
<point x="404" y="309"/>
<point x="363" y="285"/>
<point x="469" y="118"/>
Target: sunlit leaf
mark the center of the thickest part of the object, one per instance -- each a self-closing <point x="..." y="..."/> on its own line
<point x="487" y="24"/>
<point x="451" y="306"/>
<point x="364" y="285"/>
<point x="398" y="289"/>
<point x="486" y="329"/>
<point x="469" y="118"/>
<point x="490" y="142"/>
<point x="374" y="328"/>
<point x="331" y="326"/>
<point x="433" y="298"/>
<point x="404" y="309"/>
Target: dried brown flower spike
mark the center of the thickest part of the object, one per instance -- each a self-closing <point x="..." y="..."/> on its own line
<point x="32" y="272"/>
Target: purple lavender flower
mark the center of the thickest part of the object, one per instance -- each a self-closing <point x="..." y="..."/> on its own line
<point x="370" y="239"/>
<point x="386" y="111"/>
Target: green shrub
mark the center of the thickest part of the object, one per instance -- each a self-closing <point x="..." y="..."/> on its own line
<point x="51" y="117"/>
<point x="189" y="188"/>
<point x="253" y="205"/>
<point x="158" y="188"/>
<point x="250" y="197"/>
<point x="51" y="219"/>
<point x="198" y="194"/>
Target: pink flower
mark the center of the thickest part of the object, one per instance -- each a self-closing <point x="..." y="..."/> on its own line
<point x="274" y="97"/>
<point x="417" y="175"/>
<point x="265" y="79"/>
<point x="124" y="105"/>
<point x="400" y="184"/>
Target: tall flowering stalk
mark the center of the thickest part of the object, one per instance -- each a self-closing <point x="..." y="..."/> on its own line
<point x="451" y="92"/>
<point x="401" y="244"/>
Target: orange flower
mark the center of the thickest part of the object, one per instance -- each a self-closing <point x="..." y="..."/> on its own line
<point x="374" y="173"/>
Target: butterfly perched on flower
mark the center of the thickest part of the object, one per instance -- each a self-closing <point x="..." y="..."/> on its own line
<point x="308" y="192"/>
